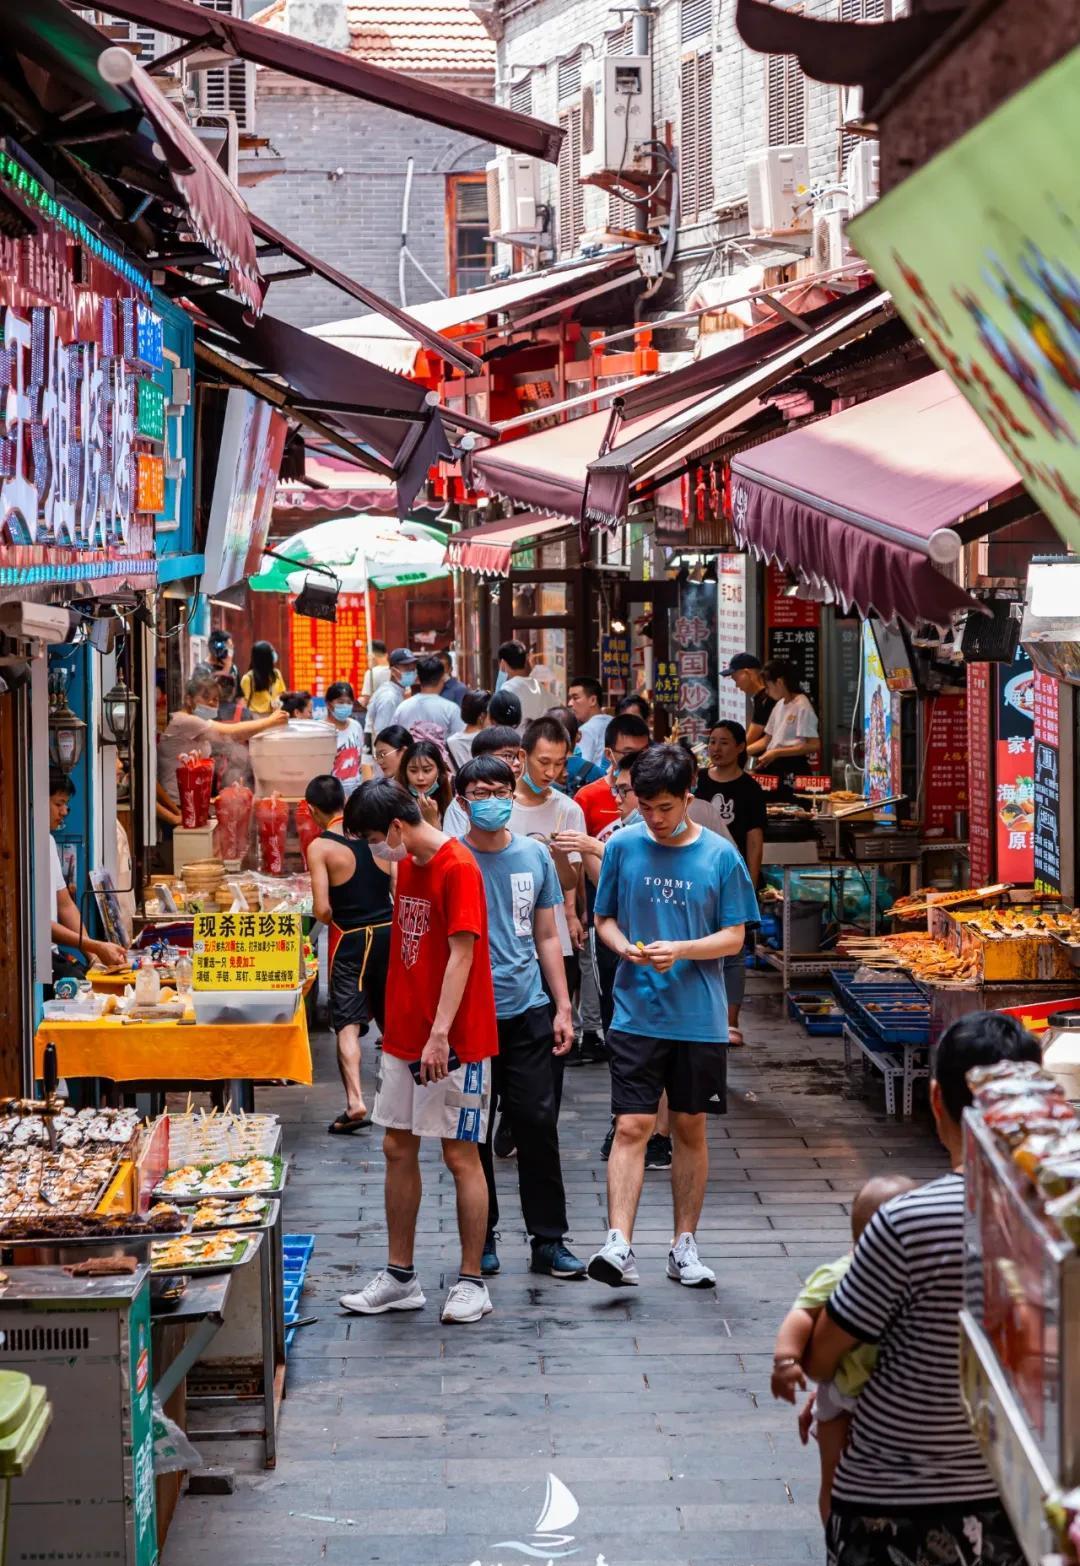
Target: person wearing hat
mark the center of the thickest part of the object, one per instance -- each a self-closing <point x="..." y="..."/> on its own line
<point x="745" y="670"/>
<point x="389" y="696"/>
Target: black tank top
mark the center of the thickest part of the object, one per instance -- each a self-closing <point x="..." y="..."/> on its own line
<point x="365" y="897"/>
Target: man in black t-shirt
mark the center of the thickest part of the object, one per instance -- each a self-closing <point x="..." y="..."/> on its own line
<point x="745" y="670"/>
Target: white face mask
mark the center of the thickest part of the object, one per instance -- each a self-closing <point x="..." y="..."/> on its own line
<point x="388" y="854"/>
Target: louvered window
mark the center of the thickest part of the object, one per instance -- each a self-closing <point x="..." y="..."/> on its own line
<point x="695" y="135"/>
<point x="853" y="11"/>
<point x="521" y="96"/>
<point x="622" y="215"/>
<point x="227" y="86"/>
<point x="569" y="77"/>
<point x="571" y="190"/>
<point x="621" y="41"/>
<point x="786" y="101"/>
<point x="695" y="20"/>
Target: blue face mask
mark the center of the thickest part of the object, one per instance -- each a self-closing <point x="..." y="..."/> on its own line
<point x="501" y="679"/>
<point x="537" y="788"/>
<point x="421" y="793"/>
<point x="208" y="714"/>
<point x="342" y="711"/>
<point x="633" y="818"/>
<point x="490" y="815"/>
<point x="408" y="678"/>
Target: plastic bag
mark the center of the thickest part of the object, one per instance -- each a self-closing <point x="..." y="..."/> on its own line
<point x="234" y="807"/>
<point x="173" y="1452"/>
<point x="194" y="782"/>
<point x="307" y="828"/>
<point x="272" y="825"/>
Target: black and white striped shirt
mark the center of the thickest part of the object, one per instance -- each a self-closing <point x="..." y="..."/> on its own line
<point x="910" y="1444"/>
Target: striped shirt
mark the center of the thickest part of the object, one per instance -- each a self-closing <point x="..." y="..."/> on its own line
<point x="910" y="1444"/>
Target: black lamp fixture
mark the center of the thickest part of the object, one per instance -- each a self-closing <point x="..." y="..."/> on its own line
<point x="118" y="710"/>
<point x="67" y="733"/>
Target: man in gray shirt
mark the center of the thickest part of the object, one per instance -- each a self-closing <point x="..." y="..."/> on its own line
<point x="389" y="696"/>
<point x="430" y="715"/>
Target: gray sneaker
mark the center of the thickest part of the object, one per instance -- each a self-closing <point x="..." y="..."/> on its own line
<point x="685" y="1266"/>
<point x="467" y="1302"/>
<point x="614" y="1263"/>
<point x="383" y="1293"/>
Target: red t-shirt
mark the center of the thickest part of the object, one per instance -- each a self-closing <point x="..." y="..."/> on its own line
<point x="599" y="804"/>
<point x="434" y="901"/>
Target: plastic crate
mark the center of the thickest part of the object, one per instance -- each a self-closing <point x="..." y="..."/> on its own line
<point x="885" y="1010"/>
<point x="298" y="1250"/>
<point x="805" y="1006"/>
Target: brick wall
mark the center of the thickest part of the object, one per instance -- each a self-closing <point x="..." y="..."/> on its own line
<point x="353" y="221"/>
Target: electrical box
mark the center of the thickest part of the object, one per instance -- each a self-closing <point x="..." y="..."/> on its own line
<point x="778" y="190"/>
<point x="513" y="181"/>
<point x="89" y="1495"/>
<point x="617" y="115"/>
<point x="863" y="175"/>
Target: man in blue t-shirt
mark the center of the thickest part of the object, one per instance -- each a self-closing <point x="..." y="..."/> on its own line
<point x="672" y="903"/>
<point x="522" y="891"/>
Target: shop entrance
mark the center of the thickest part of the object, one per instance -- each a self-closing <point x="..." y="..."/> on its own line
<point x="545" y="604"/>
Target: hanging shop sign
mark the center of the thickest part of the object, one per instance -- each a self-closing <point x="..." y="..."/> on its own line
<point x="992" y="292"/>
<point x="793" y="631"/>
<point x="1047" y="772"/>
<point x="980" y="729"/>
<point x="615" y="662"/>
<point x="322" y="651"/>
<point x="730" y="631"/>
<point x="666" y="686"/>
<point x="945" y="771"/>
<point x="692" y="641"/>
<point x="881" y="771"/>
<point x="1014" y="771"/>
<point x="251" y="951"/>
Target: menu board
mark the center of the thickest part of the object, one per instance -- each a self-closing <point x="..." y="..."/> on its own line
<point x="1014" y="771"/>
<point x="251" y="951"/>
<point x="945" y="777"/>
<point x="615" y="662"/>
<point x="666" y="686"/>
<point x="322" y="651"/>
<point x="793" y="632"/>
<point x="693" y="644"/>
<point x="1047" y="839"/>
<point x="980" y="809"/>
<point x="730" y="631"/>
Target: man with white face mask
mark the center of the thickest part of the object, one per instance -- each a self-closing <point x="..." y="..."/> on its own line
<point x="672" y="903"/>
<point x="194" y="727"/>
<point x="439" y="1036"/>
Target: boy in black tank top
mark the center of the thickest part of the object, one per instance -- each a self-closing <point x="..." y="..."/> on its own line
<point x="352" y="894"/>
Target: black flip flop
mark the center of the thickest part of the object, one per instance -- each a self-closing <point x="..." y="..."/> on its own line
<point x="346" y="1124"/>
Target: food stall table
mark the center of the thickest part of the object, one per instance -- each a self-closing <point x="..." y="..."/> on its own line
<point x="181" y="1053"/>
<point x="819" y="964"/>
<point x="903" y="1063"/>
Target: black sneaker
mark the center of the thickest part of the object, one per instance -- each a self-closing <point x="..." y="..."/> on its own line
<point x="605" y="1146"/>
<point x="489" y="1261"/>
<point x="658" y="1153"/>
<point x="593" y="1050"/>
<point x="574" y="1056"/>
<point x="502" y="1143"/>
<point x="553" y="1258"/>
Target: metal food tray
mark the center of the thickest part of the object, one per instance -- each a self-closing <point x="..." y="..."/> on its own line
<point x="891" y="1027"/>
<point x="158" y="1195"/>
<point x="76" y="1248"/>
<point x="802" y="1006"/>
<point x="205" y="1269"/>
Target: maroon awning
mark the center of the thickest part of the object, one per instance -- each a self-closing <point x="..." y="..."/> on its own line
<point x="864" y="502"/>
<point x="234" y="38"/>
<point x="489" y="549"/>
<point x="217" y="209"/>
<point x="296" y="508"/>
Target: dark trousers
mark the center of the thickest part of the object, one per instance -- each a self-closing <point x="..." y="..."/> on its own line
<point x="607" y="965"/>
<point x="523" y="1086"/>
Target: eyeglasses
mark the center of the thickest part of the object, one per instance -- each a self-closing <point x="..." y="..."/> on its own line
<point x="623" y="789"/>
<point x="491" y="793"/>
<point x="623" y="758"/>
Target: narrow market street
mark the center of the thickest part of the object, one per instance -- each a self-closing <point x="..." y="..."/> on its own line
<point x="404" y="1441"/>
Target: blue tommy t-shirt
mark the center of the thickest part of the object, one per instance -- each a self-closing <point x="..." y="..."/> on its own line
<point x="517" y="881"/>
<point x="673" y="894"/>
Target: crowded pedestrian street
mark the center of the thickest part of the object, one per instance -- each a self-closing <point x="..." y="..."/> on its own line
<point x="416" y="1444"/>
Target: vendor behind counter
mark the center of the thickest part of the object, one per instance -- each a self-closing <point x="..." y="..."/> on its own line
<point x="195" y="728"/>
<point x="791" y="742"/>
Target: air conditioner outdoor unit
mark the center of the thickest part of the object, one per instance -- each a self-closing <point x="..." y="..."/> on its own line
<point x="863" y="175"/>
<point x="617" y="115"/>
<point x="829" y="247"/>
<point x="221" y="136"/>
<point x="778" y="181"/>
<point x="513" y="181"/>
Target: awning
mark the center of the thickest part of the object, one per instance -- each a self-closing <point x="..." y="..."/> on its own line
<point x="217" y="209"/>
<point x="389" y="416"/>
<point x="863" y="501"/>
<point x="394" y="347"/>
<point x="655" y="454"/>
<point x="296" y="507"/>
<point x="229" y="37"/>
<point x="488" y="549"/>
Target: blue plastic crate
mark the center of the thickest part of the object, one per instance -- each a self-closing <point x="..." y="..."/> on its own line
<point x="298" y="1248"/>
<point x="885" y="1010"/>
<point x="805" y="1006"/>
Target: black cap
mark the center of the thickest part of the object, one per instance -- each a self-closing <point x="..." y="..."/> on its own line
<point x="401" y="657"/>
<point x="741" y="661"/>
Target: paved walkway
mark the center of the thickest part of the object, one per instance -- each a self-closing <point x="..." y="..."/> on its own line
<point x="406" y="1442"/>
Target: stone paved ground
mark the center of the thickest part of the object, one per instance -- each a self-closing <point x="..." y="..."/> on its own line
<point x="409" y="1443"/>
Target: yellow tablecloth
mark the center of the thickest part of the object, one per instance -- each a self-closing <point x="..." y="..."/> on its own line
<point x="170" y="1052"/>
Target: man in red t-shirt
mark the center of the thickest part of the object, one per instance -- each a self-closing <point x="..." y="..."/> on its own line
<point x="438" y="1040"/>
<point x="624" y="739"/>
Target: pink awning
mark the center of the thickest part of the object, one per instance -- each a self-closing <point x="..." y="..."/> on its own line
<point x="488" y="549"/>
<point x="296" y="508"/>
<point x="218" y="211"/>
<point x="864" y="501"/>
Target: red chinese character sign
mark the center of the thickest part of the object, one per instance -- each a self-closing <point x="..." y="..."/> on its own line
<point x="322" y="651"/>
<point x="980" y="721"/>
<point x="1047" y="836"/>
<point x="1014" y="771"/>
<point x="793" y="630"/>
<point x="692" y="643"/>
<point x="945" y="774"/>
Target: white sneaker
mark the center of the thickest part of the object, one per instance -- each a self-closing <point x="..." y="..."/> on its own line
<point x="383" y="1293"/>
<point x="686" y="1266"/>
<point x="467" y="1302"/>
<point x="614" y="1262"/>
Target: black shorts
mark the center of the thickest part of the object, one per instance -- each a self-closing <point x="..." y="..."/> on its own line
<point x="693" y="1074"/>
<point x="357" y="983"/>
